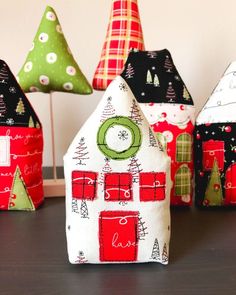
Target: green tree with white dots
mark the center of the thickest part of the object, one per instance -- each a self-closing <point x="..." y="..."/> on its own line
<point x="50" y="65"/>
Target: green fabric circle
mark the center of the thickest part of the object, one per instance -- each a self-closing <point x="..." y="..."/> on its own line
<point x="127" y="123"/>
<point x="50" y="66"/>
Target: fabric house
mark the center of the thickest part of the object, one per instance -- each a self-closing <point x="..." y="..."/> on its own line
<point x="168" y="107"/>
<point x="215" y="147"/>
<point x="21" y="147"/>
<point x="117" y="186"/>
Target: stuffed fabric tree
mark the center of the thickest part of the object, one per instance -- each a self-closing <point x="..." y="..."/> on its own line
<point x="123" y="33"/>
<point x="215" y="145"/>
<point x="117" y="186"/>
<point x="21" y="147"/>
<point x="168" y="106"/>
<point x="50" y="65"/>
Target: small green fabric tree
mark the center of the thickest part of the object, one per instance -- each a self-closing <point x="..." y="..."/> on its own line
<point x="214" y="195"/>
<point x="186" y="94"/>
<point x="19" y="199"/>
<point x="50" y="65"/>
<point x="31" y="122"/>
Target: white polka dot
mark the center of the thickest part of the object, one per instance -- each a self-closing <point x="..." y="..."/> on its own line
<point x="43" y="37"/>
<point x="51" y="57"/>
<point x="33" y="89"/>
<point x="59" y="29"/>
<point x="32" y="46"/>
<point x="51" y="16"/>
<point x="168" y="135"/>
<point x="28" y="66"/>
<point x="44" y="80"/>
<point x="68" y="86"/>
<point x="70" y="70"/>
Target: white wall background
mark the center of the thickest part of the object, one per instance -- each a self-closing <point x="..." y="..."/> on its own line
<point x="201" y="36"/>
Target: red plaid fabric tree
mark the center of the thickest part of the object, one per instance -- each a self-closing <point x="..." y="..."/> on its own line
<point x="124" y="32"/>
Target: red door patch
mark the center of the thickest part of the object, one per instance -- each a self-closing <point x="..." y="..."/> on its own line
<point x="118" y="187"/>
<point x="118" y="235"/>
<point x="213" y="149"/>
<point x="84" y="185"/>
<point x="230" y="185"/>
<point x="152" y="186"/>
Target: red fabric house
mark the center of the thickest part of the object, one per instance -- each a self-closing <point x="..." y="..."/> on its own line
<point x="21" y="147"/>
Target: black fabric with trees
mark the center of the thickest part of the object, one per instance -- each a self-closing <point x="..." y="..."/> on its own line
<point x="225" y="132"/>
<point x="153" y="77"/>
<point x="15" y="109"/>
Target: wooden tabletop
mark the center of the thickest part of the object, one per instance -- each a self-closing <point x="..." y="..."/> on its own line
<point x="33" y="257"/>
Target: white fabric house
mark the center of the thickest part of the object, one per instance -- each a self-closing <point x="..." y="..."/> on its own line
<point x="117" y="186"/>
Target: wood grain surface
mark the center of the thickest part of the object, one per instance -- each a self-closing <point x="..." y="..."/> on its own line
<point x="33" y="257"/>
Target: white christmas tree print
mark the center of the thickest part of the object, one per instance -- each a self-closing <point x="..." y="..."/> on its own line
<point x="164" y="254"/>
<point x="74" y="205"/>
<point x="142" y="229"/>
<point x="168" y="64"/>
<point x="156" y="82"/>
<point x="84" y="210"/>
<point x="129" y="71"/>
<point x="106" y="169"/>
<point x="170" y="94"/>
<point x="108" y="111"/>
<point x="135" y="113"/>
<point x="4" y="75"/>
<point x="152" y="139"/>
<point x="134" y="169"/>
<point x="81" y="153"/>
<point x="155" y="251"/>
<point x="149" y="77"/>
<point x="3" y="108"/>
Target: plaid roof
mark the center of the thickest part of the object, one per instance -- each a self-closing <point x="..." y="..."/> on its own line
<point x="124" y="32"/>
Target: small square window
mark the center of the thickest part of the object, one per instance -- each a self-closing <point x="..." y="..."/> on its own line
<point x="152" y="186"/>
<point x="118" y="187"/>
<point x="213" y="149"/>
<point x="84" y="185"/>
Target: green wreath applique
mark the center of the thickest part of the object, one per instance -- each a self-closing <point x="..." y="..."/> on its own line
<point x="136" y="138"/>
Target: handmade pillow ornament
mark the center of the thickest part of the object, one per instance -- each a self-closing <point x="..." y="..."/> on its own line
<point x="168" y="107"/>
<point x="21" y="147"/>
<point x="50" y="65"/>
<point x="123" y="33"/>
<point x="215" y="145"/>
<point x="117" y="186"/>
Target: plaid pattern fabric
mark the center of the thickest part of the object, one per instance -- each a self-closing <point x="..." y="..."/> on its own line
<point x="184" y="148"/>
<point x="124" y="32"/>
<point x="183" y="181"/>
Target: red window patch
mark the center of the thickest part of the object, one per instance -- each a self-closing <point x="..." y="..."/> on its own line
<point x="118" y="235"/>
<point x="152" y="186"/>
<point x="230" y="185"/>
<point x="213" y="149"/>
<point x="84" y="185"/>
<point x="118" y="187"/>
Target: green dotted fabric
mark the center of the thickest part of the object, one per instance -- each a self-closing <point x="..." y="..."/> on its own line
<point x="50" y="65"/>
